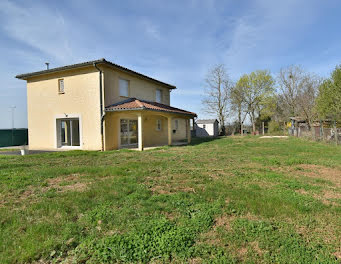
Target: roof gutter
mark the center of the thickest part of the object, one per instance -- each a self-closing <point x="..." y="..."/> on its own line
<point x="102" y="112"/>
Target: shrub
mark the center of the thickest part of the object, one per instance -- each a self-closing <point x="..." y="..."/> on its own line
<point x="274" y="127"/>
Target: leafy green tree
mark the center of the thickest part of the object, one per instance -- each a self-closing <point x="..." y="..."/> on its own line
<point x="257" y="87"/>
<point x="328" y="102"/>
<point x="238" y="104"/>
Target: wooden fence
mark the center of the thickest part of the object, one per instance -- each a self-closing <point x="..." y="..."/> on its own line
<point x="318" y="133"/>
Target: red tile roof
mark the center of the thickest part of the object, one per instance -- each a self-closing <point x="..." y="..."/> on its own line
<point x="137" y="104"/>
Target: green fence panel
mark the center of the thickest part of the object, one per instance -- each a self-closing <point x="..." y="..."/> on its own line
<point x="15" y="137"/>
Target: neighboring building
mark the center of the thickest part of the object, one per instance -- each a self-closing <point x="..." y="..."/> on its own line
<point x="99" y="105"/>
<point x="207" y="128"/>
<point x="297" y="125"/>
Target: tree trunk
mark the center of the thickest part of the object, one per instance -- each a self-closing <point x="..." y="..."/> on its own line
<point x="335" y="133"/>
<point x="222" y="124"/>
<point x="253" y="123"/>
<point x="240" y="122"/>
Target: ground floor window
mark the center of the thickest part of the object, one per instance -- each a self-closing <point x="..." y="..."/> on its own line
<point x="129" y="132"/>
<point x="158" y="124"/>
<point x="68" y="132"/>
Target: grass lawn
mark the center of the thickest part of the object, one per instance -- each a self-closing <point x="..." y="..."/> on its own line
<point x="9" y="149"/>
<point x="229" y="200"/>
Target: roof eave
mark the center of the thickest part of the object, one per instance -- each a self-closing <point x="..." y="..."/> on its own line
<point x="148" y="109"/>
<point x="90" y="63"/>
<point x="25" y="76"/>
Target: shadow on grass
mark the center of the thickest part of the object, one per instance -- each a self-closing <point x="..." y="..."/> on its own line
<point x="197" y="140"/>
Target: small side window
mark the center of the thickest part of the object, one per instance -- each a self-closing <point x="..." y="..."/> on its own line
<point x="158" y="125"/>
<point x="61" y="86"/>
<point x="203" y="126"/>
<point x="176" y="124"/>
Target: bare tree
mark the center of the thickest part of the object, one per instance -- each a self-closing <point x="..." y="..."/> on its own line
<point x="291" y="81"/>
<point x="298" y="91"/>
<point x="306" y="99"/>
<point x="217" y="90"/>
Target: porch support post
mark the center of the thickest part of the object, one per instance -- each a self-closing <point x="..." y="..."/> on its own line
<point x="169" y="131"/>
<point x="188" y="127"/>
<point x="194" y="127"/>
<point x="140" y="131"/>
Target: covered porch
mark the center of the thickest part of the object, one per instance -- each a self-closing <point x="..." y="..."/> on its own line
<point x="142" y="127"/>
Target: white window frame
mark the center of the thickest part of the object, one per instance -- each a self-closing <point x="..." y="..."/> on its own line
<point x="61" y="90"/>
<point x="66" y="116"/>
<point x="158" y="125"/>
<point x="119" y="87"/>
<point x="156" y="96"/>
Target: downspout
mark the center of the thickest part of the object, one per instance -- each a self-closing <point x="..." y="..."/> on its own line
<point x="102" y="113"/>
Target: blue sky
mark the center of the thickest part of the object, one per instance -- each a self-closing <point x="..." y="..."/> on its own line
<point x="174" y="41"/>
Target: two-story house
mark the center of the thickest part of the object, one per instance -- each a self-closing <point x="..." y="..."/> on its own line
<point x="99" y="105"/>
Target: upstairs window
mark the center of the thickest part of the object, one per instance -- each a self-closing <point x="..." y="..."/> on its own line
<point x="158" y="96"/>
<point x="124" y="87"/>
<point x="61" y="86"/>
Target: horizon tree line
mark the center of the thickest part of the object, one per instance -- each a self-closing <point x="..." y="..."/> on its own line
<point x="262" y="97"/>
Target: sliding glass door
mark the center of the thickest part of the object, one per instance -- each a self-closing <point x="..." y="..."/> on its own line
<point x="68" y="132"/>
<point x="128" y="132"/>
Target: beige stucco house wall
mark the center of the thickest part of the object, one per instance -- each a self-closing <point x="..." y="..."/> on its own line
<point x="138" y="87"/>
<point x="45" y="105"/>
<point x="82" y="100"/>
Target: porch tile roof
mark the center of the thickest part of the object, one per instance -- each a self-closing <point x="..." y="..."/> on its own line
<point x="138" y="104"/>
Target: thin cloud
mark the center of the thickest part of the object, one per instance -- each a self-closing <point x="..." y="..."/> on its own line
<point x="39" y="28"/>
<point x="174" y="41"/>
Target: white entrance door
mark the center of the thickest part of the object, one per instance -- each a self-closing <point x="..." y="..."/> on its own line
<point x="129" y="132"/>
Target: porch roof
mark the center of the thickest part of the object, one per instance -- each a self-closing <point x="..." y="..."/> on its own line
<point x="138" y="104"/>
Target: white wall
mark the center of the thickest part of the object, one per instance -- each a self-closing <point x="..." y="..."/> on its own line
<point x="205" y="132"/>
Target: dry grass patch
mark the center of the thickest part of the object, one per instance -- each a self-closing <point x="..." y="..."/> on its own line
<point x="337" y="254"/>
<point x="224" y="221"/>
<point x="321" y="228"/>
<point x="69" y="183"/>
<point x="173" y="184"/>
<point x="60" y="184"/>
<point x="195" y="261"/>
<point x="212" y="237"/>
<point x="326" y="196"/>
<point x="255" y="247"/>
<point x="321" y="172"/>
<point x="169" y="189"/>
<point x="249" y="248"/>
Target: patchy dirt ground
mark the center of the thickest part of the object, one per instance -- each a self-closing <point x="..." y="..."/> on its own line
<point x="322" y="172"/>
